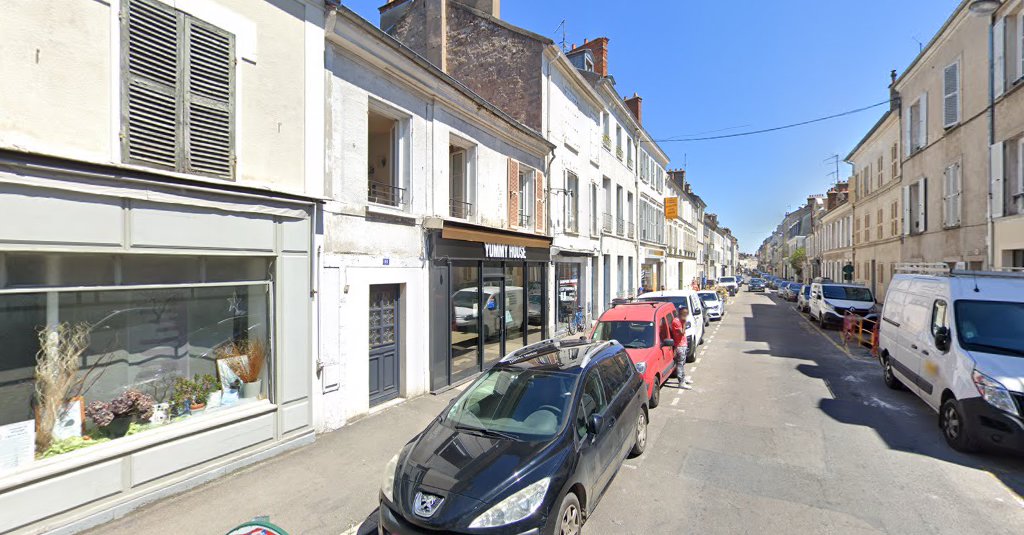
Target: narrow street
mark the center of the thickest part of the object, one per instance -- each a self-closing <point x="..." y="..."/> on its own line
<point x="785" y="433"/>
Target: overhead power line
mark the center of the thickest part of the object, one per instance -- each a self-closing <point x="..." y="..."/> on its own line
<point x="777" y="128"/>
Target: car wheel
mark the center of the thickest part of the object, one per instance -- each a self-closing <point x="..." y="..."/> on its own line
<point x="951" y="420"/>
<point x="570" y="518"/>
<point x="640" y="435"/>
<point x="890" y="379"/>
<point x="701" y="341"/>
<point x="656" y="392"/>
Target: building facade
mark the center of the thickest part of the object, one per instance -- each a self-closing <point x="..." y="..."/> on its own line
<point x="1007" y="149"/>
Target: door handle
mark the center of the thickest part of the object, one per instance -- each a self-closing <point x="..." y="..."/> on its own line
<point x="913" y="346"/>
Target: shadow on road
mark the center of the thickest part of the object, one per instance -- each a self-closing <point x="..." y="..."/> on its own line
<point x="860" y="398"/>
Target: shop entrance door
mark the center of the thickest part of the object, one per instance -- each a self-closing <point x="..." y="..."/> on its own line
<point x="385" y="354"/>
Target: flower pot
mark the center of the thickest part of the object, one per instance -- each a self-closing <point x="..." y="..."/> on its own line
<point x="253" y="389"/>
<point x="118" y="427"/>
<point x="197" y="407"/>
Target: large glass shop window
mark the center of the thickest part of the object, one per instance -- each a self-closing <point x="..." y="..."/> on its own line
<point x="536" y="304"/>
<point x="492" y="312"/>
<point x="515" y="307"/>
<point x="146" y="355"/>
<point x="465" y="338"/>
<point x="568" y="291"/>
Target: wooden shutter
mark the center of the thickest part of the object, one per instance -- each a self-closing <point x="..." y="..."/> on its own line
<point x="150" y="105"/>
<point x="895" y="162"/>
<point x="947" y="196"/>
<point x="922" y="204"/>
<point x="958" y="193"/>
<point x="951" y="95"/>
<point x="922" y="118"/>
<point x="538" y="184"/>
<point x="906" y="210"/>
<point x="999" y="59"/>
<point x="513" y="193"/>
<point x="996" y="180"/>
<point x="209" y="75"/>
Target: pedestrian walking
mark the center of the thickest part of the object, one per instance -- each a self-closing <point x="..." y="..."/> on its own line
<point x="679" y="336"/>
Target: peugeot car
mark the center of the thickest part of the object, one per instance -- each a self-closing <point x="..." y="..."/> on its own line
<point x="529" y="447"/>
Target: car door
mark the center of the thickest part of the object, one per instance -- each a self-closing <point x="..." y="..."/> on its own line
<point x="934" y="361"/>
<point x="595" y="453"/>
<point x="614" y="377"/>
<point x="914" y="331"/>
<point x="665" y="353"/>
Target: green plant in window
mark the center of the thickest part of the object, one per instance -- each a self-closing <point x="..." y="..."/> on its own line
<point x="58" y="447"/>
<point x="192" y="393"/>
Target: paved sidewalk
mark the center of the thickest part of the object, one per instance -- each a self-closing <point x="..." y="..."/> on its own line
<point x="328" y="487"/>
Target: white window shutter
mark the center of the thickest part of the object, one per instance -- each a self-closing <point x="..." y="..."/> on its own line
<point x="1019" y="43"/>
<point x="906" y="210"/>
<point x="947" y="194"/>
<point x="907" y="146"/>
<point x="996" y="155"/>
<point x="922" y="204"/>
<point x="1020" y="167"/>
<point x="999" y="60"/>
<point x="958" y="188"/>
<point x="951" y="95"/>
<point x="923" y="121"/>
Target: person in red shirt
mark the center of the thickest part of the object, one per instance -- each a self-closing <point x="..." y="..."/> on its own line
<point x="679" y="336"/>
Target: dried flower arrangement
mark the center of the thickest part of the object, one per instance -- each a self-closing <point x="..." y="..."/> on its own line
<point x="249" y="368"/>
<point x="57" y="361"/>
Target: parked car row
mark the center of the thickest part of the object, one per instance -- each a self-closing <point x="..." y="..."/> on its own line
<point x="562" y="415"/>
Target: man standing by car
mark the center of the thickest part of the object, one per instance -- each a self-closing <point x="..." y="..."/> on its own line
<point x="679" y="336"/>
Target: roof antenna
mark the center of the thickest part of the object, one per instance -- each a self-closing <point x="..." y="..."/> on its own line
<point x="561" y="26"/>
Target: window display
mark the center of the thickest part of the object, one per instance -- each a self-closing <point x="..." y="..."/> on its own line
<point x="90" y="365"/>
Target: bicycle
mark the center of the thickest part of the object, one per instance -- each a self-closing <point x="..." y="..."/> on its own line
<point x="575" y="323"/>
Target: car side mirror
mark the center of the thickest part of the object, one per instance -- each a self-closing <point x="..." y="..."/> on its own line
<point x="668" y="342"/>
<point x="595" y="424"/>
<point x="942" y="339"/>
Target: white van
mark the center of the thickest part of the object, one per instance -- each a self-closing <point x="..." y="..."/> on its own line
<point x="956" y="339"/>
<point x="829" y="302"/>
<point x="465" y="303"/>
<point x="698" y="316"/>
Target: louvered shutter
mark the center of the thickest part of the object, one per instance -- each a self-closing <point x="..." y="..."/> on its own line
<point x="922" y="128"/>
<point x="922" y="205"/>
<point x="906" y="210"/>
<point x="996" y="180"/>
<point x="908" y="141"/>
<point x="951" y="95"/>
<point x="947" y="196"/>
<point x="150" y="106"/>
<point x="1020" y="167"/>
<point x="999" y="59"/>
<point x="538" y="184"/>
<point x="209" y="75"/>
<point x="958" y="193"/>
<point x="513" y="193"/>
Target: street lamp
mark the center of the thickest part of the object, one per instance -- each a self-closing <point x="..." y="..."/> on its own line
<point x="984" y="7"/>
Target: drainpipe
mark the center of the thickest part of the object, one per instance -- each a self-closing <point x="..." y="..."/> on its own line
<point x="990" y="235"/>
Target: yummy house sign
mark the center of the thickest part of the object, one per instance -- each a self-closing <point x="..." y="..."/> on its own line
<point x="497" y="250"/>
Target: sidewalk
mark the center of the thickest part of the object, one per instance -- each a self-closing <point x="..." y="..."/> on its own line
<point x="326" y="488"/>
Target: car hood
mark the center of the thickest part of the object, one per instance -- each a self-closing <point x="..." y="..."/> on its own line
<point x="641" y="354"/>
<point x="844" y="303"/>
<point x="1007" y="369"/>
<point x="447" y="461"/>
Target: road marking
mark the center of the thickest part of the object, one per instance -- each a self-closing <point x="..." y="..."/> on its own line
<point x="675" y="402"/>
<point x="693" y="369"/>
<point x="351" y="531"/>
<point x="697" y="361"/>
<point x="629" y="466"/>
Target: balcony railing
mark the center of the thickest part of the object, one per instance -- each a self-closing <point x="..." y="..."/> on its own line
<point x="620" y="227"/>
<point x="525" y="219"/>
<point x="386" y="194"/>
<point x="606" y="223"/>
<point x="460" y="209"/>
<point x="631" y="229"/>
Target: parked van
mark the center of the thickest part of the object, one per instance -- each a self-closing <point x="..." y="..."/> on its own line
<point x="829" y="302"/>
<point x="956" y="339"/>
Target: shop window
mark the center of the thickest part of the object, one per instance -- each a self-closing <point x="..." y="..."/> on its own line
<point x="466" y="306"/>
<point x="158" y="347"/>
<point x="536" y="303"/>
<point x="568" y="291"/>
<point x="386" y="155"/>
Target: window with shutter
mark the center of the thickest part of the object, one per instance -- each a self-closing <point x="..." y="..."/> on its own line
<point x="880" y="170"/>
<point x="996" y="165"/>
<point x="178" y="110"/>
<point x="1020" y="167"/>
<point x="878" y="224"/>
<point x="951" y="95"/>
<point x="999" y="69"/>
<point x="895" y="156"/>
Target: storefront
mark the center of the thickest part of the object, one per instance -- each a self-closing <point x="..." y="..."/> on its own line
<point x="178" y="315"/>
<point x="651" y="277"/>
<point x="488" y="297"/>
<point x="572" y="287"/>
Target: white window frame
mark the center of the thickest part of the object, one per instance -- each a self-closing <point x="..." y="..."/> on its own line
<point x="400" y="154"/>
<point x="916" y="131"/>
<point x="527" y="196"/>
<point x="572" y="205"/>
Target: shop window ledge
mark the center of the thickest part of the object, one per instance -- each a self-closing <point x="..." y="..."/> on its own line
<point x="128" y="445"/>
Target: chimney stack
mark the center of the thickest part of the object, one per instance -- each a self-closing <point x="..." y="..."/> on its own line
<point x="599" y="47"/>
<point x="491" y="7"/>
<point x="635" y="105"/>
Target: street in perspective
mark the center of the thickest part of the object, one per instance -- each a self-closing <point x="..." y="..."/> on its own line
<point x="403" y="267"/>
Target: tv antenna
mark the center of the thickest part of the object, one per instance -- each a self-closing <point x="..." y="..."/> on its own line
<point x="834" y="159"/>
<point x="561" y="26"/>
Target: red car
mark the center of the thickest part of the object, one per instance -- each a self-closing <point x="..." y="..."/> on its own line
<point x="644" y="330"/>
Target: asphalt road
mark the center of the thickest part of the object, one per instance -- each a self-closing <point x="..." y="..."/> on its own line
<point x="785" y="432"/>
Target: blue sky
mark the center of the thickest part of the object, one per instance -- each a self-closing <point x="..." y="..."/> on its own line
<point x="713" y="67"/>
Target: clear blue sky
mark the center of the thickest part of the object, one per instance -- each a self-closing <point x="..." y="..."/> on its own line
<point x="706" y="66"/>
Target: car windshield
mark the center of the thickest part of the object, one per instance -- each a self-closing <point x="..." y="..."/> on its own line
<point x="708" y="297"/>
<point x="990" y="326"/>
<point x="847" y="293"/>
<point x="631" y="334"/>
<point x="519" y="404"/>
<point x="727" y="279"/>
<point x="678" y="300"/>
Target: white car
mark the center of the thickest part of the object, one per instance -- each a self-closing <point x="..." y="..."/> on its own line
<point x="829" y="303"/>
<point x="694" y="323"/>
<point x="713" y="304"/>
<point x="730" y="284"/>
<point x="956" y="341"/>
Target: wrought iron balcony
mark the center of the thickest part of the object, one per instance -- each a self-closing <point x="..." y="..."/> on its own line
<point x="631" y="229"/>
<point x="460" y="209"/>
<point x="620" y="227"/>
<point x="525" y="219"/>
<point x="386" y="194"/>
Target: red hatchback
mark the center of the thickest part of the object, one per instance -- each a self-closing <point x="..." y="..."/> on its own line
<point x="644" y="329"/>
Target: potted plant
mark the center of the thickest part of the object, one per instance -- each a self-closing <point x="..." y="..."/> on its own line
<point x="115" y="417"/>
<point x="191" y="395"/>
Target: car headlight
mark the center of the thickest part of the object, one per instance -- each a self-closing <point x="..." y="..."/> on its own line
<point x="514" y="508"/>
<point x="640" y="366"/>
<point x="827" y="306"/>
<point x="387" y="483"/>
<point x="994" y="392"/>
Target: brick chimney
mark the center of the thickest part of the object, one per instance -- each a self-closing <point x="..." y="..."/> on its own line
<point x="831" y="202"/>
<point x="432" y="17"/>
<point x="491" y="7"/>
<point x="635" y="105"/>
<point x="599" y="47"/>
